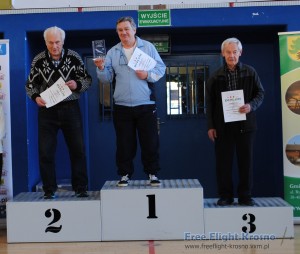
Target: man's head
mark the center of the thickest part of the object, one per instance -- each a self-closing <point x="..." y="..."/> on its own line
<point x="231" y="50"/>
<point x="54" y="38"/>
<point x="126" y="29"/>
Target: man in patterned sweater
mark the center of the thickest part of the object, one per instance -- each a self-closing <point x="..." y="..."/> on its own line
<point x="46" y="68"/>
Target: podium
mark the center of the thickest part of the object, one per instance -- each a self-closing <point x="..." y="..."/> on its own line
<point x="269" y="219"/>
<point x="142" y="212"/>
<point x="31" y="218"/>
<point x="176" y="210"/>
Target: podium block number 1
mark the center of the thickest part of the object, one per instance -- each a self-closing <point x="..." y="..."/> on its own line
<point x="151" y="206"/>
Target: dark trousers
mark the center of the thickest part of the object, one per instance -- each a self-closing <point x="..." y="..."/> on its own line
<point x="65" y="116"/>
<point x="131" y="123"/>
<point x="234" y="142"/>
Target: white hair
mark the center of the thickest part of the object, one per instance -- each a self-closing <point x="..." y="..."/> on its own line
<point x="232" y="40"/>
<point x="55" y="30"/>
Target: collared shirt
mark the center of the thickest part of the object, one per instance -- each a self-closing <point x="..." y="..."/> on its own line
<point x="232" y="78"/>
<point x="57" y="62"/>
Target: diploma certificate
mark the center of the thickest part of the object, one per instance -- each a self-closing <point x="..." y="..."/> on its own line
<point x="232" y="101"/>
<point x="141" y="61"/>
<point x="56" y="93"/>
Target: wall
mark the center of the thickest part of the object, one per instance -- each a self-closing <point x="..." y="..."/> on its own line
<point x="203" y="30"/>
<point x="5" y="4"/>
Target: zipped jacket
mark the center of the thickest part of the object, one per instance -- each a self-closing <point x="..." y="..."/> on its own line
<point x="249" y="82"/>
<point x="129" y="90"/>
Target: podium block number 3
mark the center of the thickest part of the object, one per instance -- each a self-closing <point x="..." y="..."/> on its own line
<point x="250" y="218"/>
<point x="151" y="206"/>
<point x="55" y="215"/>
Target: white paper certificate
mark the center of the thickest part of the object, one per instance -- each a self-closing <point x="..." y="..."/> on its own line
<point x="232" y="101"/>
<point x="141" y="61"/>
<point x="56" y="93"/>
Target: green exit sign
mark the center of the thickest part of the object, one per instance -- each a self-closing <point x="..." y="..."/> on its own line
<point x="154" y="18"/>
<point x="162" y="46"/>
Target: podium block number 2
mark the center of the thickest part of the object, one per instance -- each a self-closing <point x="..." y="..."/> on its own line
<point x="151" y="206"/>
<point x="55" y="215"/>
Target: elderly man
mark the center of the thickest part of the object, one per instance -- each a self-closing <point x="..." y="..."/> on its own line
<point x="46" y="68"/>
<point x="233" y="136"/>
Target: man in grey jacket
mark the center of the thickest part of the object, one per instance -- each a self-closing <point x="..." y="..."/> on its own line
<point x="134" y="102"/>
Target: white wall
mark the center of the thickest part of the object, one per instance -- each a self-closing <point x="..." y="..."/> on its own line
<point x="23" y="4"/>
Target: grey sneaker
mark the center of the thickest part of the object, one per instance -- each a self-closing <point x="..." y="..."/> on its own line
<point x="154" y="180"/>
<point x="124" y="181"/>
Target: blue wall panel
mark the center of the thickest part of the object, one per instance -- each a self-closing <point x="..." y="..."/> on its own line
<point x="205" y="29"/>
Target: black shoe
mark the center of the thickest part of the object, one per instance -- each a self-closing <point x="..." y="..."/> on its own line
<point x="154" y="180"/>
<point x="81" y="194"/>
<point x="246" y="202"/>
<point x="49" y="195"/>
<point x="124" y="181"/>
<point x="225" y="201"/>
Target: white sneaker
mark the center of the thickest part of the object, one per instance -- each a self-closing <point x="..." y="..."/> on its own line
<point x="154" y="180"/>
<point x="124" y="181"/>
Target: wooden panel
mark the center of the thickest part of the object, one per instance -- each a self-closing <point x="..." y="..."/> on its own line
<point x="280" y="246"/>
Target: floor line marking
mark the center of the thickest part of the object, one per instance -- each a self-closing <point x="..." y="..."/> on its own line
<point x="151" y="247"/>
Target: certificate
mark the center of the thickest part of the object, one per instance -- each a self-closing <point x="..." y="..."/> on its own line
<point x="56" y="93"/>
<point x="141" y="61"/>
<point x="232" y="101"/>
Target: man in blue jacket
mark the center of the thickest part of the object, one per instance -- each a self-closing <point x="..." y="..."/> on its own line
<point x="236" y="136"/>
<point x="134" y="103"/>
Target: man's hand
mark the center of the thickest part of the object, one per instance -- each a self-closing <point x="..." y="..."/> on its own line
<point x="212" y="134"/>
<point x="141" y="74"/>
<point x="71" y="84"/>
<point x="99" y="62"/>
<point x="40" y="102"/>
<point x="245" y="108"/>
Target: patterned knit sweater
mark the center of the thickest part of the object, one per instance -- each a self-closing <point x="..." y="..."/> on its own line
<point x="44" y="74"/>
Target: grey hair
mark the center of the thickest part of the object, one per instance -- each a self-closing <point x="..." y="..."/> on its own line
<point x="55" y="30"/>
<point x="232" y="40"/>
<point x="129" y="19"/>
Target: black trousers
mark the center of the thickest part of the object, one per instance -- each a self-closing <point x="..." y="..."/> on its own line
<point x="133" y="124"/>
<point x="65" y="116"/>
<point x="232" y="142"/>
